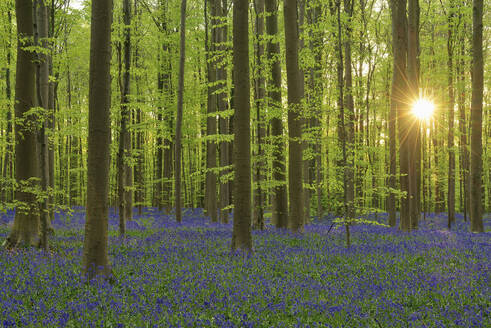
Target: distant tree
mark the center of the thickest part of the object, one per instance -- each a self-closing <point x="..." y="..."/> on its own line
<point x="241" y="236"/>
<point x="476" y="118"/>
<point x="95" y="255"/>
<point x="180" y="99"/>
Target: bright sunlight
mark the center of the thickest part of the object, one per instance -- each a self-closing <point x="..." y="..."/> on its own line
<point x="423" y="108"/>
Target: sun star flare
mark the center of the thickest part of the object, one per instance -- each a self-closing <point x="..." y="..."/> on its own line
<point x="423" y="108"/>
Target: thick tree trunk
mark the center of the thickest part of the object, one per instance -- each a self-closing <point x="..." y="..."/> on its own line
<point x="95" y="255"/>
<point x="25" y="230"/>
<point x="280" y="201"/>
<point x="476" y="118"/>
<point x="180" y="100"/>
<point x="241" y="236"/>
<point x="399" y="44"/>
<point x="295" y="95"/>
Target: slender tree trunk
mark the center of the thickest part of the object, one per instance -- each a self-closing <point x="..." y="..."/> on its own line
<point x="280" y="201"/>
<point x="222" y="32"/>
<point x="295" y="95"/>
<point x="241" y="236"/>
<point x="476" y="118"/>
<point x="124" y="134"/>
<point x="95" y="255"/>
<point x="211" y="122"/>
<point x="464" y="152"/>
<point x="349" y="124"/>
<point x="451" y="105"/>
<point x="51" y="116"/>
<point x="8" y="156"/>
<point x="392" y="180"/>
<point x="160" y="143"/>
<point x="259" y="95"/>
<point x="42" y="92"/>
<point x="412" y="121"/>
<point x="180" y="100"/>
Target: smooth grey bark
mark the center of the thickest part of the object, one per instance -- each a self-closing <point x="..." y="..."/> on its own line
<point x="241" y="235"/>
<point x="95" y="253"/>
<point x="25" y="230"/>
<point x="476" y="204"/>
<point x="295" y="95"/>
<point x="42" y="92"/>
<point x="399" y="86"/>
<point x="280" y="200"/>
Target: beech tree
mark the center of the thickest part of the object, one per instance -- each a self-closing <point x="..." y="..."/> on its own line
<point x="476" y="118"/>
<point x="25" y="230"/>
<point x="280" y="200"/>
<point x="95" y="255"/>
<point x="295" y="95"/>
<point x="241" y="235"/>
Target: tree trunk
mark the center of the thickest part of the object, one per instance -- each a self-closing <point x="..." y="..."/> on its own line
<point x="95" y="255"/>
<point x="124" y="134"/>
<point x="180" y="99"/>
<point x="259" y="95"/>
<point x="280" y="201"/>
<point x="464" y="152"/>
<point x="451" y="105"/>
<point x="295" y="95"/>
<point x="211" y="122"/>
<point x="25" y="230"/>
<point x="241" y="236"/>
<point x="412" y="121"/>
<point x="399" y="44"/>
<point x="349" y="123"/>
<point x="42" y="91"/>
<point x="476" y="118"/>
<point x="222" y="32"/>
<point x="7" y="160"/>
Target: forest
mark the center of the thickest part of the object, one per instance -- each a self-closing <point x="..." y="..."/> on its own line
<point x="245" y="163"/>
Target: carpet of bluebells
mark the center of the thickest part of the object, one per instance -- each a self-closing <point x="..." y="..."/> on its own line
<point x="184" y="275"/>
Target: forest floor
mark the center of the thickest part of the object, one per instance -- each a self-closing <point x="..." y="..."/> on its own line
<point x="183" y="275"/>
